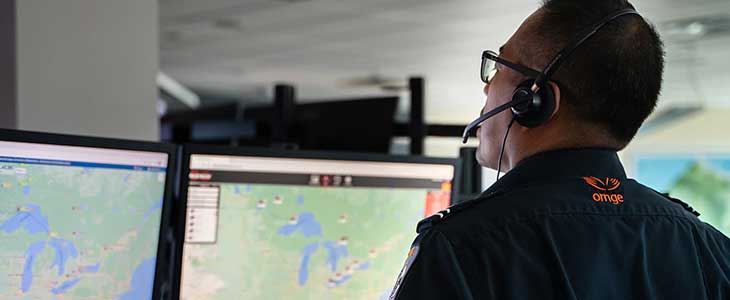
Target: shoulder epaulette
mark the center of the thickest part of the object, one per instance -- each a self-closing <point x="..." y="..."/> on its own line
<point x="681" y="203"/>
<point x="438" y="217"/>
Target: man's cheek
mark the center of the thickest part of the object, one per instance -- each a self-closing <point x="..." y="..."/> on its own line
<point x="484" y="141"/>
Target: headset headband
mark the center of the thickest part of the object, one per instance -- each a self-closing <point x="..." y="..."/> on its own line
<point x="553" y="66"/>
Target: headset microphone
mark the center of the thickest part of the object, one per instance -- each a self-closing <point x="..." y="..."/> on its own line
<point x="474" y="124"/>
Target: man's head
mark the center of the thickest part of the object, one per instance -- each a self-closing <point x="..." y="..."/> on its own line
<point x="604" y="90"/>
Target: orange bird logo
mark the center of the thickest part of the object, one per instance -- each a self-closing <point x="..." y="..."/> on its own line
<point x="609" y="184"/>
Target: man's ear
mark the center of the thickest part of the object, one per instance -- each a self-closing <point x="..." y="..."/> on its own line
<point x="556" y="93"/>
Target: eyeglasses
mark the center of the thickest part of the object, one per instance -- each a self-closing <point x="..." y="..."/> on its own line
<point x="489" y="67"/>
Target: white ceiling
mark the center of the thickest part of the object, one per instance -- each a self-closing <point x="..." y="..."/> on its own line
<point x="241" y="47"/>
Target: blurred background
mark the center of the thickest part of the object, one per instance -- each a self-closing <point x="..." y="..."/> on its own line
<point x="396" y="77"/>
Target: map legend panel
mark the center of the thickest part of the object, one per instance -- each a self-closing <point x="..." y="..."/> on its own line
<point x="203" y="196"/>
<point x="202" y="215"/>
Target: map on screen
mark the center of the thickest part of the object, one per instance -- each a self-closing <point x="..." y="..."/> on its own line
<point x="329" y="237"/>
<point x="77" y="223"/>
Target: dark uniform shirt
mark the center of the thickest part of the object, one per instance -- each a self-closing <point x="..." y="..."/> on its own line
<point x="567" y="225"/>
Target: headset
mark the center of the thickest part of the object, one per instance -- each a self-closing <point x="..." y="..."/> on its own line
<point x="533" y="101"/>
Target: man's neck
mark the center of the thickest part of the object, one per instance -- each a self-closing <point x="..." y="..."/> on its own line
<point x="557" y="140"/>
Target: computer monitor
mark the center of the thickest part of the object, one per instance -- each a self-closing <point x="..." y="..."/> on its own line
<point x="264" y="224"/>
<point x="354" y="125"/>
<point x="362" y="125"/>
<point x="81" y="218"/>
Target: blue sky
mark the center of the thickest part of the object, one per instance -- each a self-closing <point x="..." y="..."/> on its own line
<point x="662" y="171"/>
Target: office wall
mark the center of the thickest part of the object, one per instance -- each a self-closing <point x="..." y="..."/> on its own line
<point x="88" y="67"/>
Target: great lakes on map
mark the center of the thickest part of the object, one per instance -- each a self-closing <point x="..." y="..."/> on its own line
<point x="301" y="242"/>
<point x="73" y="232"/>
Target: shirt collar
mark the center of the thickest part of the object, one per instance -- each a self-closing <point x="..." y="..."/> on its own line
<point x="595" y="162"/>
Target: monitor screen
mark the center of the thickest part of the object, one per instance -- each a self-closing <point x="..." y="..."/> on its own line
<point x="79" y="222"/>
<point x="303" y="228"/>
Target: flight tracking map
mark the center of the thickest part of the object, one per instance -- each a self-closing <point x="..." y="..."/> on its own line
<point x="78" y="231"/>
<point x="302" y="242"/>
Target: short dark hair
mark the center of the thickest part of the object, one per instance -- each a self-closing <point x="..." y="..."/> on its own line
<point x="614" y="78"/>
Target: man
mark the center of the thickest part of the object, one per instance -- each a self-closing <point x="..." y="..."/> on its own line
<point x="565" y="222"/>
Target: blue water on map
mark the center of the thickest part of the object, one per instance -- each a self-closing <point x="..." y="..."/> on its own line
<point x="306" y="224"/>
<point x="65" y="286"/>
<point x="33" y="221"/>
<point x="345" y="278"/>
<point x="334" y="253"/>
<point x="142" y="281"/>
<point x="386" y="294"/>
<point x="30" y="255"/>
<point x="300" y="199"/>
<point x="304" y="266"/>
<point x="30" y="218"/>
<point x="91" y="269"/>
<point x="342" y="280"/>
<point x="26" y="190"/>
<point x="64" y="250"/>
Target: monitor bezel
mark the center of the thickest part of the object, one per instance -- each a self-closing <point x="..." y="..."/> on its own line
<point x="161" y="284"/>
<point x="190" y="149"/>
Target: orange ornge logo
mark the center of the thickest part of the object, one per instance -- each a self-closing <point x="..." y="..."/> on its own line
<point x="609" y="184"/>
<point x="604" y="186"/>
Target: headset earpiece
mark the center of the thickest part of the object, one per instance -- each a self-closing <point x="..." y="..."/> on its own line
<point x="535" y="108"/>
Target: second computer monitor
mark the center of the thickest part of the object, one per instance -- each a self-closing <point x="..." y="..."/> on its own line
<point x="304" y="226"/>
